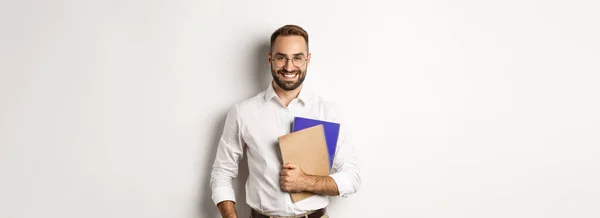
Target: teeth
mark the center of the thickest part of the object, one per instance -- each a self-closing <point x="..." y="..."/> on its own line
<point x="291" y="75"/>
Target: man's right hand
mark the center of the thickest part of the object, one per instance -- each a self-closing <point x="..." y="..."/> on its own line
<point x="227" y="209"/>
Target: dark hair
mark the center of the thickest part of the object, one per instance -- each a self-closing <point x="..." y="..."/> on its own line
<point x="289" y="30"/>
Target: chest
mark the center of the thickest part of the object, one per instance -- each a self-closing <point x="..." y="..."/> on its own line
<point x="262" y="127"/>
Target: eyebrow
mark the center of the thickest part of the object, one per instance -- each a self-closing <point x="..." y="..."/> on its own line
<point x="282" y="54"/>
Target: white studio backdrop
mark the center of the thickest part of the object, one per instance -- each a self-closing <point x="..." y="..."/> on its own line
<point x="459" y="109"/>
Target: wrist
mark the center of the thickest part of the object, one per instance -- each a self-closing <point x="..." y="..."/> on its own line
<point x="309" y="183"/>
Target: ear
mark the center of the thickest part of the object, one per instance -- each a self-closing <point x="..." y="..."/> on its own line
<point x="269" y="57"/>
<point x="308" y="59"/>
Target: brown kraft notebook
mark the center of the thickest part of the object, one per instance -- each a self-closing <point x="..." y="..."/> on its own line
<point x="308" y="149"/>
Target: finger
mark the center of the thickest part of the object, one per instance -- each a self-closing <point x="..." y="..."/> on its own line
<point x="290" y="166"/>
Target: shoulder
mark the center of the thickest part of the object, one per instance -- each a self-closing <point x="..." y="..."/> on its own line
<point x="329" y="108"/>
<point x="248" y="105"/>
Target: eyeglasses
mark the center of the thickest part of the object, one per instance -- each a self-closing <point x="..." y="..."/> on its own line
<point x="298" y="61"/>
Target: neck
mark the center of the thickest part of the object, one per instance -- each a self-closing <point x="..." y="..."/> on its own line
<point x="286" y="96"/>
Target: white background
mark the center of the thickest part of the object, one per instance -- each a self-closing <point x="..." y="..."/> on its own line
<point x="459" y="109"/>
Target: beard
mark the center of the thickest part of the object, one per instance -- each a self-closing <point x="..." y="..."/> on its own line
<point x="288" y="85"/>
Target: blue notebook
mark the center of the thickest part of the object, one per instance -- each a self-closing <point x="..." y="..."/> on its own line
<point x="332" y="131"/>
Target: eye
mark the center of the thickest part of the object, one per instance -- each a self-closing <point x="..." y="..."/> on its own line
<point x="279" y="58"/>
<point x="298" y="58"/>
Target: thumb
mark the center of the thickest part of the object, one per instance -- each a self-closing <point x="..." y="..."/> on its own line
<point x="290" y="165"/>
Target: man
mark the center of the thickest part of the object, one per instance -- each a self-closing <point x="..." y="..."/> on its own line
<point x="255" y="124"/>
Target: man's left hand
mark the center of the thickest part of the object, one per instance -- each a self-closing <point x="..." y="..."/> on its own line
<point x="292" y="178"/>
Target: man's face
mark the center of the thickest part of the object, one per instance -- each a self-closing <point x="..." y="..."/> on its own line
<point x="289" y="60"/>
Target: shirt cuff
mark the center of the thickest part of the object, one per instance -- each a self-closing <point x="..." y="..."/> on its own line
<point x="343" y="183"/>
<point x="223" y="194"/>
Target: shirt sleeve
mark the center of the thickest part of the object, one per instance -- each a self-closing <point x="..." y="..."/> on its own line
<point x="345" y="171"/>
<point x="229" y="152"/>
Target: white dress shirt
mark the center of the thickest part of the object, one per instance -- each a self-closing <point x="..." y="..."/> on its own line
<point x="257" y="123"/>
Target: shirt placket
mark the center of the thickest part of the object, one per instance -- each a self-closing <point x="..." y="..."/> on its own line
<point x="289" y="118"/>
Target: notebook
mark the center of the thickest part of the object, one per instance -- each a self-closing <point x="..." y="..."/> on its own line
<point x="308" y="149"/>
<point x="332" y="131"/>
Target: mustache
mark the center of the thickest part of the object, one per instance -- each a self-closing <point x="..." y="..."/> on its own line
<point x="285" y="71"/>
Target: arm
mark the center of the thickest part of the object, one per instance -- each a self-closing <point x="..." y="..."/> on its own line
<point x="225" y="167"/>
<point x="345" y="171"/>
<point x="293" y="179"/>
<point x="322" y="185"/>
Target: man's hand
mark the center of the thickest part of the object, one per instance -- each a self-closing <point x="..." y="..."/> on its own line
<point x="292" y="179"/>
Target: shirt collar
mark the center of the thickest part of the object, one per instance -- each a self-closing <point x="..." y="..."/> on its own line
<point x="303" y="96"/>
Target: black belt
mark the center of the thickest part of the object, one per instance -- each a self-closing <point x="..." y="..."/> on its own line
<point x="315" y="214"/>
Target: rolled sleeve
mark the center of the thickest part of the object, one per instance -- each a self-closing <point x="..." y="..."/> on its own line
<point x="344" y="183"/>
<point x="223" y="194"/>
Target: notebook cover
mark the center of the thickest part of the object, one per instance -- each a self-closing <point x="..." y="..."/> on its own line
<point x="331" y="130"/>
<point x="308" y="149"/>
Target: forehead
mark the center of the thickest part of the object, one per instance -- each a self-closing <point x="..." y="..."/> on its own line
<point x="289" y="45"/>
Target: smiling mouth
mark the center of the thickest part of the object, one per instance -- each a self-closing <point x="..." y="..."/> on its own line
<point x="289" y="76"/>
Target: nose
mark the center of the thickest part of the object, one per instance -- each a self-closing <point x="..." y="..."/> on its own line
<point x="289" y="65"/>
